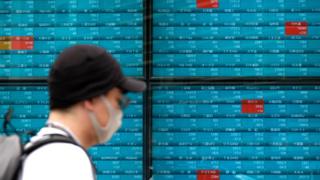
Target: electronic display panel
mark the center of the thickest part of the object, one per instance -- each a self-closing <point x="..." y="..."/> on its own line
<point x="33" y="32"/>
<point x="236" y="38"/>
<point x="120" y="158"/>
<point x="235" y="131"/>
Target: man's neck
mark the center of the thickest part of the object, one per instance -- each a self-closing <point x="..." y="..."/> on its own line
<point x="77" y="126"/>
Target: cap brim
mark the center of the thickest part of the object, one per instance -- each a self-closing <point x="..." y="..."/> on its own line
<point x="132" y="85"/>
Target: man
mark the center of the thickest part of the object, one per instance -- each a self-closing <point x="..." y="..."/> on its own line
<point x="87" y="95"/>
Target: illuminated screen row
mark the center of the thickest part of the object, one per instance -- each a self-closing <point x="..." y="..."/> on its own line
<point x="204" y="38"/>
<point x="226" y="131"/>
<point x="121" y="158"/>
<point x="236" y="132"/>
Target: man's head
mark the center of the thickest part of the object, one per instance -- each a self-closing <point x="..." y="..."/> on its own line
<point x="89" y="76"/>
<point x="83" y="72"/>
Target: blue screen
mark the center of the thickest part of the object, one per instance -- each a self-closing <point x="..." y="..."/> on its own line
<point x="249" y="131"/>
<point x="238" y="38"/>
<point x="54" y="25"/>
<point x="120" y="158"/>
<point x="212" y="128"/>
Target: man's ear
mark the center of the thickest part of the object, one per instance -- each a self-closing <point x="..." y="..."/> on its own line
<point x="88" y="104"/>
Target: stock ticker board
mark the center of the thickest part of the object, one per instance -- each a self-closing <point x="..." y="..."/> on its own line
<point x="236" y="38"/>
<point x="121" y="158"/>
<point x="242" y="132"/>
<point x="33" y="32"/>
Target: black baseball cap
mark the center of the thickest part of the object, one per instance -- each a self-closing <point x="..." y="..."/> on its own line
<point x="82" y="72"/>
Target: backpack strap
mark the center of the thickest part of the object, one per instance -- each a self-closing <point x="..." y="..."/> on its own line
<point x="52" y="138"/>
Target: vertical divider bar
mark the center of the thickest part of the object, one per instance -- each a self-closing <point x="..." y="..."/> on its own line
<point x="147" y="102"/>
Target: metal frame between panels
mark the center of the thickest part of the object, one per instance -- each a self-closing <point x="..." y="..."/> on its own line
<point x="22" y="81"/>
<point x="237" y="83"/>
<point x="147" y="56"/>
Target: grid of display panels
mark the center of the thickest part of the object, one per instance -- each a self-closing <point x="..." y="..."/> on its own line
<point x="236" y="38"/>
<point x="33" y="32"/>
<point x="120" y="158"/>
<point x="246" y="131"/>
<point x="222" y="131"/>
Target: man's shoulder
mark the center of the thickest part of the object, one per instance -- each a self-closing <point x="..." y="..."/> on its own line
<point x="67" y="160"/>
<point x="58" y="150"/>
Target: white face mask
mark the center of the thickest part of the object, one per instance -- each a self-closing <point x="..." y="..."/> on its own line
<point x="105" y="133"/>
